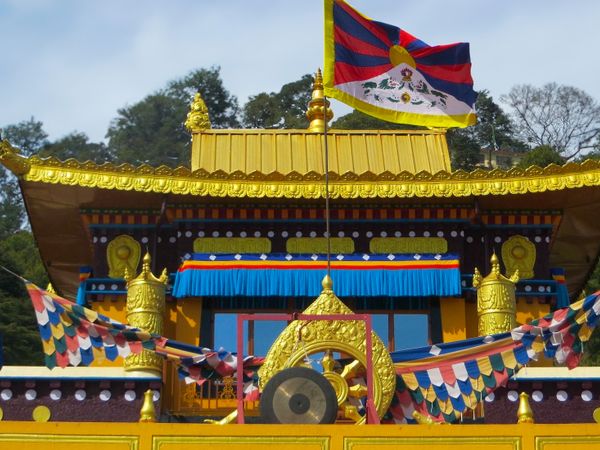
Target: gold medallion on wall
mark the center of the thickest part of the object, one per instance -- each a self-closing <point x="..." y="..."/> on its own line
<point x="518" y="252"/>
<point x="123" y="252"/>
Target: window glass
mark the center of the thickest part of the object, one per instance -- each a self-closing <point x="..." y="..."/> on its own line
<point x="225" y="336"/>
<point x="410" y="330"/>
<point x="265" y="333"/>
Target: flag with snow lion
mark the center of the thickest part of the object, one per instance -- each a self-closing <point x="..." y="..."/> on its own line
<point x="387" y="73"/>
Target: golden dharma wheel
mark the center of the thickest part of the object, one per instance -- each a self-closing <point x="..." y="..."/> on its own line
<point x="338" y="350"/>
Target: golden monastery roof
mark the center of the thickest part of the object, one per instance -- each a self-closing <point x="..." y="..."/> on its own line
<point x="307" y="184"/>
<point x="55" y="192"/>
<point x="301" y="152"/>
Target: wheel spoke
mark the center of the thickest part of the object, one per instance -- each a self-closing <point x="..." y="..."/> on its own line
<point x="351" y="370"/>
<point x="357" y="391"/>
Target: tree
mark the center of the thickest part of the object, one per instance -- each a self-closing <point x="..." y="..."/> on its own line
<point x="18" y="325"/>
<point x="28" y="136"/>
<point x="464" y="150"/>
<point x="284" y="109"/>
<point x="563" y="117"/>
<point x="493" y="131"/>
<point x="222" y="107"/>
<point x="77" y="145"/>
<point x="541" y="156"/>
<point x="262" y="111"/>
<point x="152" y="132"/>
<point x="357" y="120"/>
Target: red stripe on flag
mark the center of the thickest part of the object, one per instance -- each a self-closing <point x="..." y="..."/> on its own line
<point x="458" y="73"/>
<point x="345" y="73"/>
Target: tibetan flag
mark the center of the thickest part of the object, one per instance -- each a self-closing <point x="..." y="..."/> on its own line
<point x="385" y="72"/>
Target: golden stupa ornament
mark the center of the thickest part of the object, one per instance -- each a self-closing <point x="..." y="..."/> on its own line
<point x="145" y="310"/>
<point x="148" y="412"/>
<point x="197" y="119"/>
<point x="496" y="305"/>
<point x="524" y="413"/>
<point x="318" y="112"/>
<point x="303" y="340"/>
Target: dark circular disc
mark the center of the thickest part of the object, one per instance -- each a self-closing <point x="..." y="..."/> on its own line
<point x="298" y="395"/>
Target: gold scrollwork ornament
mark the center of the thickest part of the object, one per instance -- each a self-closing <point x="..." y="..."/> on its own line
<point x="496" y="303"/>
<point x="145" y="310"/>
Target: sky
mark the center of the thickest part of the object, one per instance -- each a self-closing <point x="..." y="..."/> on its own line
<point x="72" y="64"/>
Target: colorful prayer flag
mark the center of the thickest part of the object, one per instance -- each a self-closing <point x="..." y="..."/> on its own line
<point x="385" y="72"/>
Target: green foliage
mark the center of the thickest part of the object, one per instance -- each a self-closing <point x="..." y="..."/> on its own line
<point x="78" y="146"/>
<point x="541" y="156"/>
<point x="464" y="150"/>
<point x="222" y="107"/>
<point x="28" y="136"/>
<point x="12" y="210"/>
<point x="152" y="131"/>
<point x="493" y="130"/>
<point x="284" y="109"/>
<point x="18" y="326"/>
<point x="357" y="120"/>
<point x="262" y="111"/>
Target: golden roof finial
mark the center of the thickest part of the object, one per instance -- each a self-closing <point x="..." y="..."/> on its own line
<point x="197" y="119"/>
<point x="327" y="283"/>
<point x="12" y="160"/>
<point x="146" y="273"/>
<point x="495" y="264"/>
<point x="318" y="108"/>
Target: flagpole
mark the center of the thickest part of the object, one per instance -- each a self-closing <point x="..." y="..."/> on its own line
<point x="327" y="215"/>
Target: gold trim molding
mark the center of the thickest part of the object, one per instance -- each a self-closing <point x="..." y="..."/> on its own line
<point x="63" y="440"/>
<point x="411" y="442"/>
<point x="182" y="181"/>
<point x="233" y="442"/>
<point x="408" y="245"/>
<point x="318" y="245"/>
<point x="232" y="245"/>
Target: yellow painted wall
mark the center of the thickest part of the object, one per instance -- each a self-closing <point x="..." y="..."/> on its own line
<point x="187" y="436"/>
<point x="114" y="307"/>
<point x="454" y="326"/>
<point x="187" y="328"/>
<point x="471" y="319"/>
<point x="530" y="310"/>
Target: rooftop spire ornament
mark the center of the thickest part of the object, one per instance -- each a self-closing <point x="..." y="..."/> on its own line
<point x="197" y="119"/>
<point x="318" y="108"/>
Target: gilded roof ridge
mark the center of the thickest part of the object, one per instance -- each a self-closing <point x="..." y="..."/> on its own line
<point x="309" y="133"/>
<point x="182" y="171"/>
<point x="182" y="180"/>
